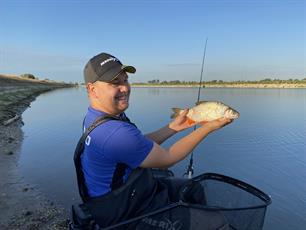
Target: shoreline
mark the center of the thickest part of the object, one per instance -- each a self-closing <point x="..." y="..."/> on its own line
<point x="22" y="205"/>
<point x="229" y="86"/>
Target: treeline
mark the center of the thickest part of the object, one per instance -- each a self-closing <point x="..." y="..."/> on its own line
<point x="214" y="82"/>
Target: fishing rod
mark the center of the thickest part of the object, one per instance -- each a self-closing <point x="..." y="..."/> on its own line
<point x="189" y="171"/>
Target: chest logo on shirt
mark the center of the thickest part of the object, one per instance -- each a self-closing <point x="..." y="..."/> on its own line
<point x="87" y="141"/>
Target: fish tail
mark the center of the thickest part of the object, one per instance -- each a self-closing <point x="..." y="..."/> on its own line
<point x="176" y="112"/>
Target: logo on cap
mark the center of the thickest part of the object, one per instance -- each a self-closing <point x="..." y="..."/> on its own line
<point x="108" y="60"/>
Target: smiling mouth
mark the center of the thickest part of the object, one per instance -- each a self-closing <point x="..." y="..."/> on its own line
<point x="124" y="98"/>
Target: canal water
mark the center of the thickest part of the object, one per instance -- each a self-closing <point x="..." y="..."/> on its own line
<point x="265" y="147"/>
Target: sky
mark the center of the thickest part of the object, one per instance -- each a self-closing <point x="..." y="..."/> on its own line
<point x="247" y="39"/>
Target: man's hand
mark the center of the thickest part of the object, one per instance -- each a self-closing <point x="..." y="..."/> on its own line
<point x="218" y="123"/>
<point x="181" y="122"/>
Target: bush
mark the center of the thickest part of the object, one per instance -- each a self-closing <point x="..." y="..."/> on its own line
<point x="28" y="76"/>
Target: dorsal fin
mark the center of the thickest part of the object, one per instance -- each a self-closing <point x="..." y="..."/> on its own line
<point x="200" y="102"/>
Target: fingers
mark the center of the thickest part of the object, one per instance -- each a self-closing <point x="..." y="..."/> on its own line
<point x="184" y="113"/>
<point x="202" y="122"/>
<point x="228" y="120"/>
<point x="218" y="123"/>
<point x="225" y="121"/>
<point x="181" y="122"/>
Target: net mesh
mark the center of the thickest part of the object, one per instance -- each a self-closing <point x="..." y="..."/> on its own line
<point x="228" y="204"/>
<point x="243" y="205"/>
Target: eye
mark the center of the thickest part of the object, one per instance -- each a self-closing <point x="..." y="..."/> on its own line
<point x="122" y="80"/>
<point x="115" y="84"/>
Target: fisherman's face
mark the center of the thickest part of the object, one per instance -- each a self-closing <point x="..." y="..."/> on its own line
<point x="113" y="97"/>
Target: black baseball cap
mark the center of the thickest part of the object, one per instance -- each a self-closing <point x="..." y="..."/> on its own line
<point x="104" y="67"/>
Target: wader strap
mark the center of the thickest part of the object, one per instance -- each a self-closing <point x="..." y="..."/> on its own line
<point x="125" y="118"/>
<point x="83" y="191"/>
<point x="117" y="180"/>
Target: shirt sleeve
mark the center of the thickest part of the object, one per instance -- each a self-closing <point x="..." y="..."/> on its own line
<point x="128" y="145"/>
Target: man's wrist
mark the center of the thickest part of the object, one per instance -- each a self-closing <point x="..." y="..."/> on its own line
<point x="209" y="127"/>
<point x="171" y="129"/>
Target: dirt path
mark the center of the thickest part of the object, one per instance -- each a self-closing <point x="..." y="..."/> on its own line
<point x="22" y="205"/>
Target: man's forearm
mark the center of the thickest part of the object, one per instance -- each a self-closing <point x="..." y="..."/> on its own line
<point x="161" y="135"/>
<point x="184" y="146"/>
<point x="162" y="158"/>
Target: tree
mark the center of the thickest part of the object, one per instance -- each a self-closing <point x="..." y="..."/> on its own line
<point x="28" y="76"/>
<point x="155" y="81"/>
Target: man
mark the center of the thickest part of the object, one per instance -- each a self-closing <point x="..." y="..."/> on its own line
<point x="116" y="148"/>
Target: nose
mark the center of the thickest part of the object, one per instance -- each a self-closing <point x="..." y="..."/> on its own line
<point x="125" y="87"/>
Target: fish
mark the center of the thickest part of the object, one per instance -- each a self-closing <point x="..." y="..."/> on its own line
<point x="205" y="111"/>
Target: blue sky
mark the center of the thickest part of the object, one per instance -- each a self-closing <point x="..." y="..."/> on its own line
<point x="247" y="40"/>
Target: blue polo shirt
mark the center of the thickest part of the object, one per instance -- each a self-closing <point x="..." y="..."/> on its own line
<point x="107" y="145"/>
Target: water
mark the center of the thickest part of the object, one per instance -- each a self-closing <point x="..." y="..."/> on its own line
<point x="265" y="147"/>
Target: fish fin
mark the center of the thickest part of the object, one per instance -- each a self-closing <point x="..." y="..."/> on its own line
<point x="176" y="112"/>
<point x="190" y="121"/>
<point x="200" y="102"/>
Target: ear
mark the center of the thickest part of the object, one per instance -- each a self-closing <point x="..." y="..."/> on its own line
<point x="91" y="89"/>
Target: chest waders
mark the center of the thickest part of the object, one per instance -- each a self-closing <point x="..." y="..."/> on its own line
<point x="140" y="194"/>
<point x="155" y="201"/>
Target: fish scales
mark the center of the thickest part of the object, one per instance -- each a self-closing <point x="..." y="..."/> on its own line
<point x="208" y="111"/>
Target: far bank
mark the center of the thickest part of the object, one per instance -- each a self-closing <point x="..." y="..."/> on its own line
<point x="237" y="86"/>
